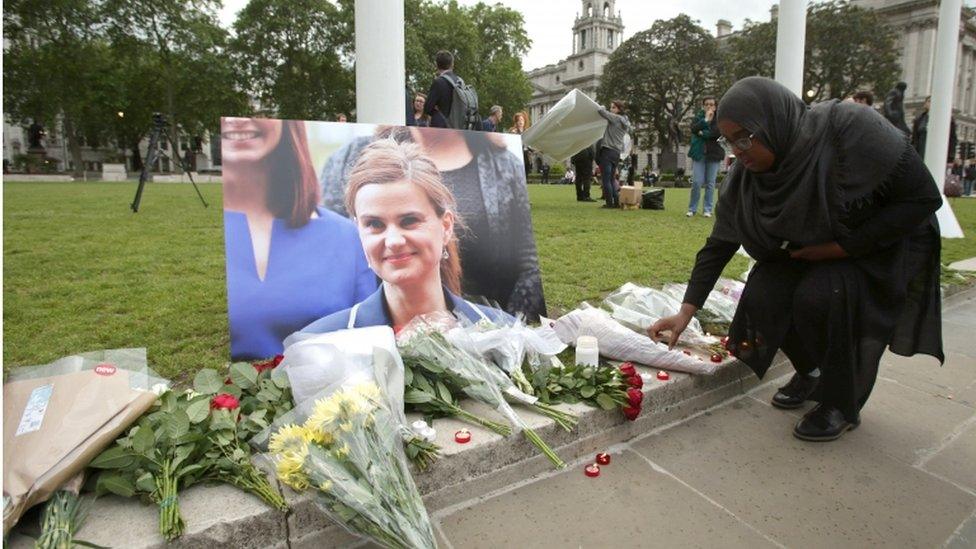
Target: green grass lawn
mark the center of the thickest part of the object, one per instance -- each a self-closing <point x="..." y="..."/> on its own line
<point x="82" y="272"/>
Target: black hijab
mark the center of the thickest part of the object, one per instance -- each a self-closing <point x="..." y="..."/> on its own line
<point x="827" y="157"/>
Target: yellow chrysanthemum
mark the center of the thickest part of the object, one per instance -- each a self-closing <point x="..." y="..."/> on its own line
<point x="290" y="438"/>
<point x="341" y="406"/>
<point x="369" y="392"/>
<point x="289" y="468"/>
<point x="341" y="452"/>
<point x="315" y="436"/>
<point x="325" y="486"/>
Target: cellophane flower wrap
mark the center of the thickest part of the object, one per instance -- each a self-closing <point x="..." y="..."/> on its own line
<point x="345" y="445"/>
<point x="639" y="307"/>
<point x="423" y="339"/>
<point x="314" y="362"/>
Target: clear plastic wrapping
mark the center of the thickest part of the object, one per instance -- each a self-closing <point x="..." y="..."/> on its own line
<point x="639" y="307"/>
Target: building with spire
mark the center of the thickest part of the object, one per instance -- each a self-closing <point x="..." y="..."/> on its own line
<point x="597" y="31"/>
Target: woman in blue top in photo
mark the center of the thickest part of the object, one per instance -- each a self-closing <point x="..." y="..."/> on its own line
<point x="288" y="261"/>
<point x="406" y="218"/>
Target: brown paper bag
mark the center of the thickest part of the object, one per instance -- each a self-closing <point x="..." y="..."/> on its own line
<point x="54" y="425"/>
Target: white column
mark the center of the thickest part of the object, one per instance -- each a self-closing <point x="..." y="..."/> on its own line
<point x="380" y="65"/>
<point x="943" y="84"/>
<point x="791" y="29"/>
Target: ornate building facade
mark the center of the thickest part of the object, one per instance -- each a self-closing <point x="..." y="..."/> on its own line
<point x="597" y="31"/>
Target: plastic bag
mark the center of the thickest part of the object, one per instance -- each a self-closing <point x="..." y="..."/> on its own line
<point x="718" y="308"/>
<point x="58" y="417"/>
<point x="620" y="343"/>
<point x="638" y="307"/>
<point x="570" y="126"/>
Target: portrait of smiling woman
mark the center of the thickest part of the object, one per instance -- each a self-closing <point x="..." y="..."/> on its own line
<point x="407" y="220"/>
<point x="289" y="261"/>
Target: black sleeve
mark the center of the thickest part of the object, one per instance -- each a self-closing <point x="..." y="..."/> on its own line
<point x="709" y="263"/>
<point x="910" y="197"/>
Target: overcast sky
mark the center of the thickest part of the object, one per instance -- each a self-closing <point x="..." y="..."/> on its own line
<point x="550" y="22"/>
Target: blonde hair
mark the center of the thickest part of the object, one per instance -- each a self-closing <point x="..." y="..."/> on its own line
<point x="385" y="161"/>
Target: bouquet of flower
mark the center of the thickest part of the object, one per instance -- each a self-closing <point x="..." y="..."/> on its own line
<point x="197" y="436"/>
<point x="314" y="362"/>
<point x="63" y="515"/>
<point x="719" y="309"/>
<point x="638" y="307"/>
<point x="460" y="372"/>
<point x="600" y="387"/>
<point x="346" y="445"/>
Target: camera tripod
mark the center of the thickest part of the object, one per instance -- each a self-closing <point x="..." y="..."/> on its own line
<point x="158" y="133"/>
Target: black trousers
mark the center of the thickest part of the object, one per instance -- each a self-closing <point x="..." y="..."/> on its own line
<point x="584" y="177"/>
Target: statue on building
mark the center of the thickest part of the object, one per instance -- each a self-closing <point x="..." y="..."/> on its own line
<point x="894" y="107"/>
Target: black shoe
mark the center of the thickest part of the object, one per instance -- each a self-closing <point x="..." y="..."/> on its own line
<point x="588" y="199"/>
<point x="823" y="423"/>
<point x="796" y="392"/>
<point x="607" y="206"/>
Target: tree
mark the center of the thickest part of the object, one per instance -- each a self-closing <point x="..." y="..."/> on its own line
<point x="662" y="74"/>
<point x="295" y="56"/>
<point x="54" y="65"/>
<point x="848" y="48"/>
<point x="180" y="50"/>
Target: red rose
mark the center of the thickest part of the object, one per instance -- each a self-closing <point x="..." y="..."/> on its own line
<point x="228" y="381"/>
<point x="269" y="364"/>
<point x="224" y="401"/>
<point x="627" y="369"/>
<point x="631" y="412"/>
<point x="634" y="397"/>
<point x="635" y="381"/>
<point x="277" y="359"/>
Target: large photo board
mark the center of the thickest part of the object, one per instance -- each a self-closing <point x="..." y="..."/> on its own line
<point x="296" y="254"/>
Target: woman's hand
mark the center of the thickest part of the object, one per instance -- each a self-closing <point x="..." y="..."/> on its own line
<point x="819" y="252"/>
<point x="674" y="324"/>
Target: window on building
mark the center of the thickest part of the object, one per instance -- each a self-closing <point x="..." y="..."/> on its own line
<point x="609" y="39"/>
<point x="557" y="78"/>
<point x="606" y="9"/>
<point x="582" y="40"/>
<point x="589" y="10"/>
<point x="581" y="64"/>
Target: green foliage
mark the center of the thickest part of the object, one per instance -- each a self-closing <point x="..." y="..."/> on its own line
<point x="662" y="73"/>
<point x="848" y="48"/>
<point x="296" y="57"/>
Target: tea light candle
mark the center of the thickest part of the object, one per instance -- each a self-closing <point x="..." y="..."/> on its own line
<point x="603" y="458"/>
<point x="663" y="376"/>
<point x="463" y="436"/>
<point x="592" y="470"/>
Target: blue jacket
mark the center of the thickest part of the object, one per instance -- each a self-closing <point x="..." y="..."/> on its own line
<point x="373" y="312"/>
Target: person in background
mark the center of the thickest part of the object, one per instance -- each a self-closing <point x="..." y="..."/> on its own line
<point x="613" y="145"/>
<point x="520" y="123"/>
<point x="341" y="117"/>
<point x="288" y="261"/>
<point x="494" y="121"/>
<point x="969" y="177"/>
<point x="545" y="173"/>
<point x="440" y="98"/>
<point x="583" y="164"/>
<point x="920" y="129"/>
<point x="706" y="157"/>
<point x="863" y="97"/>
<point x="420" y="119"/>
<point x="839" y="212"/>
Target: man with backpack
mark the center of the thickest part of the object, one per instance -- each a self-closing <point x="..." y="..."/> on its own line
<point x="451" y="103"/>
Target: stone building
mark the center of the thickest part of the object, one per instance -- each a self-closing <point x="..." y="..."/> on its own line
<point x="916" y="22"/>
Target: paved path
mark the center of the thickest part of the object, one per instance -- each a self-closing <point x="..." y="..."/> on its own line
<point x="734" y="476"/>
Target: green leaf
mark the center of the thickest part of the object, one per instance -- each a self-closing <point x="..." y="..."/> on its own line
<point x="588" y="391"/>
<point x="413" y="396"/>
<point x="198" y="410"/>
<point x="207" y="382"/>
<point x="116" y="484"/>
<point x="407" y="377"/>
<point x="143" y="440"/>
<point x="280" y="379"/>
<point x="605" y="401"/>
<point x="182" y="452"/>
<point x="146" y="483"/>
<point x="176" y="424"/>
<point x="444" y="392"/>
<point x="114" y="458"/>
<point x="243" y="375"/>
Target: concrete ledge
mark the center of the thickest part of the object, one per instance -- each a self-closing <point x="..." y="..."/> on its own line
<point x="226" y="517"/>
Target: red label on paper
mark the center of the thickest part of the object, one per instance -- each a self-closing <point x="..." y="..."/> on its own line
<point x="105" y="369"/>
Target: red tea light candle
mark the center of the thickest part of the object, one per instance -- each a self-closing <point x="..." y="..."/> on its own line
<point x="592" y="470"/>
<point x="603" y="458"/>
<point x="663" y="376"/>
<point x="463" y="436"/>
<point x="716" y="358"/>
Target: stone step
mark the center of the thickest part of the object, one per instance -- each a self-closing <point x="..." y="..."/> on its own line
<point x="222" y="516"/>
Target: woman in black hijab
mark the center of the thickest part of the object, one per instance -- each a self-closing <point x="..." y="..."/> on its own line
<point x="838" y="210"/>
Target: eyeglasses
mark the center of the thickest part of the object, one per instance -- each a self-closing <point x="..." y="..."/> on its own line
<point x="742" y="143"/>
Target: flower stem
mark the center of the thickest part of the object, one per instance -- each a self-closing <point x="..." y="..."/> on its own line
<point x="541" y="445"/>
<point x="171" y="524"/>
<point x="500" y="428"/>
<point x="564" y="419"/>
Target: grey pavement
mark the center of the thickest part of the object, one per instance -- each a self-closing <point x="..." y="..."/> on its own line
<point x="734" y="476"/>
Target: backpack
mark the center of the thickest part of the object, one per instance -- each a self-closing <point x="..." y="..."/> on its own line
<point x="464" y="107"/>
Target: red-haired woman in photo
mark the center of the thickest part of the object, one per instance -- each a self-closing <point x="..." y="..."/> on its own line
<point x="289" y="261"/>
